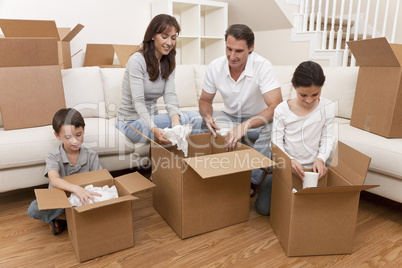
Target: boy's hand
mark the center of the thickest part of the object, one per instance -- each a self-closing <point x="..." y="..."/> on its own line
<point x="319" y="167"/>
<point x="297" y="168"/>
<point x="85" y="195"/>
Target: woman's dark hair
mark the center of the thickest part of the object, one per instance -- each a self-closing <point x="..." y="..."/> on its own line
<point x="159" y="24"/>
<point x="240" y="31"/>
<point x="67" y="116"/>
<point x="308" y="74"/>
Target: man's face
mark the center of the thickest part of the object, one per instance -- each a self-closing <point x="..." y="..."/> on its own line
<point x="237" y="52"/>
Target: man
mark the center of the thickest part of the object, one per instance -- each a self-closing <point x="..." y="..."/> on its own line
<point x="250" y="93"/>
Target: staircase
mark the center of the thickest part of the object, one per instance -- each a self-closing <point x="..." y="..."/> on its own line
<point x="329" y="24"/>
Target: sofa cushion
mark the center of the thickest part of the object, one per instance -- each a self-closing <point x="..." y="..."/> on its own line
<point x="386" y="157"/>
<point x="83" y="91"/>
<point x="112" y="79"/>
<point x="29" y="146"/>
<point x="199" y="75"/>
<point x="284" y="75"/>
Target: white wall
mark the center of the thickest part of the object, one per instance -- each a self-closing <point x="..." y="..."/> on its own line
<point x="105" y="21"/>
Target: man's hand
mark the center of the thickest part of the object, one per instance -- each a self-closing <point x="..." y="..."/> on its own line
<point x="234" y="135"/>
<point x="210" y="122"/>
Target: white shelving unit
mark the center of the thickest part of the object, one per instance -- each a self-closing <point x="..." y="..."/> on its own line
<point x="203" y="25"/>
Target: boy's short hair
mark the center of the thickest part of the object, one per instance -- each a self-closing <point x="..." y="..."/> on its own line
<point x="67" y="116"/>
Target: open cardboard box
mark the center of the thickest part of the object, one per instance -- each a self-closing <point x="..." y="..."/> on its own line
<point x="31" y="89"/>
<point x="99" y="228"/>
<point x="377" y="105"/>
<point x="208" y="190"/>
<point x="43" y="28"/>
<point x="102" y="55"/>
<point x="319" y="220"/>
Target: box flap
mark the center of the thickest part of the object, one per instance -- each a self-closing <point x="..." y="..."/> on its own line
<point x="375" y="52"/>
<point x="335" y="189"/>
<point x="51" y="199"/>
<point x="63" y="32"/>
<point x="351" y="164"/>
<point x="283" y="166"/>
<point x="99" y="54"/>
<point x="209" y="166"/>
<point x="92" y="206"/>
<point x="70" y="36"/>
<point x="124" y="52"/>
<point x="29" y="28"/>
<point x="89" y="177"/>
<point x="17" y="52"/>
<point x="134" y="182"/>
<point x="30" y="96"/>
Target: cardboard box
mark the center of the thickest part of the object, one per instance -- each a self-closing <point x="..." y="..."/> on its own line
<point x="99" y="228"/>
<point x="102" y="55"/>
<point x="208" y="190"/>
<point x="321" y="220"/>
<point x="43" y="28"/>
<point x="377" y="105"/>
<point x="31" y="90"/>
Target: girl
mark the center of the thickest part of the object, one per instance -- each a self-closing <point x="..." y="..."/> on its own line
<point x="303" y="126"/>
<point x="149" y="75"/>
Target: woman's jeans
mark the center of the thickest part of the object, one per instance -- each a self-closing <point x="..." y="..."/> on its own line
<point x="161" y="121"/>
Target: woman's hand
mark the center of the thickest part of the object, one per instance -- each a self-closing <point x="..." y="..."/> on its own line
<point x="297" y="168"/>
<point x="175" y="120"/>
<point x="319" y="167"/>
<point x="158" y="132"/>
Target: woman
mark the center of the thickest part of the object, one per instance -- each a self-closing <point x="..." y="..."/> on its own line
<point x="149" y="75"/>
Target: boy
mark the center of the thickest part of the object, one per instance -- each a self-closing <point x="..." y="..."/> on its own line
<point x="69" y="158"/>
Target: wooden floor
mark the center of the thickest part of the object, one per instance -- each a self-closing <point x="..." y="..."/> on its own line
<point x="25" y="242"/>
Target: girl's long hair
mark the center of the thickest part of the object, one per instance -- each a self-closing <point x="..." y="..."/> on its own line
<point x="159" y="24"/>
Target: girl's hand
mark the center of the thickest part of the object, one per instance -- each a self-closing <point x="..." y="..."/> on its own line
<point x="319" y="167"/>
<point x="297" y="168"/>
<point x="158" y="132"/>
<point x="85" y="195"/>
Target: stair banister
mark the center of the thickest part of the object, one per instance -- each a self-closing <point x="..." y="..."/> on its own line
<point x="356" y="35"/>
<point x="332" y="32"/>
<point x="305" y="17"/>
<point x="340" y="30"/>
<point x="325" y="33"/>
<point x="395" y="22"/>
<point x="384" y="26"/>
<point x="366" y="19"/>
<point x="312" y="16"/>
<point x="346" y="52"/>
<point x="319" y="14"/>
<point x="377" y="10"/>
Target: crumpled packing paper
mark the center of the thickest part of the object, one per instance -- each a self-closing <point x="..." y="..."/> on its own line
<point x="106" y="192"/>
<point x="177" y="135"/>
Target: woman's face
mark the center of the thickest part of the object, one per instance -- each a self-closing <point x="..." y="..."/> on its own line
<point x="165" y="42"/>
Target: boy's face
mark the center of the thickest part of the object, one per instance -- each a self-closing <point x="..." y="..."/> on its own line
<point x="71" y="137"/>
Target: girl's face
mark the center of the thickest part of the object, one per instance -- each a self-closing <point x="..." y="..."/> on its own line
<point x="165" y="42"/>
<point x="308" y="96"/>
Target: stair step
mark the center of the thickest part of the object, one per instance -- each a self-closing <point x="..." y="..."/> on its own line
<point x="329" y="24"/>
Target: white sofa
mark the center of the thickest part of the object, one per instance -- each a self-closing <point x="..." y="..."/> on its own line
<point x="96" y="93"/>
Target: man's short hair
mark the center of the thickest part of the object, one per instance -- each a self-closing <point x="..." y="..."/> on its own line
<point x="67" y="116"/>
<point x="241" y="31"/>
